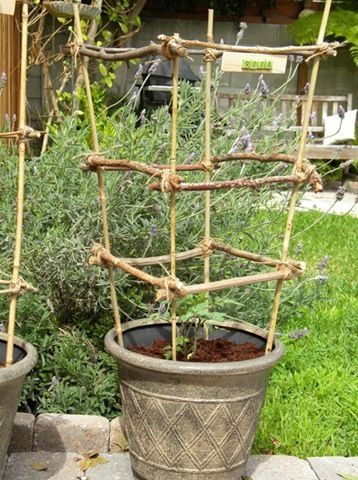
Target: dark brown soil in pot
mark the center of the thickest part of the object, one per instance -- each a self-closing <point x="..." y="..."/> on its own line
<point x="211" y="351"/>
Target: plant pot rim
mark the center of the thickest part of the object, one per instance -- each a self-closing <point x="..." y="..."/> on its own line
<point x="21" y="368"/>
<point x="193" y="368"/>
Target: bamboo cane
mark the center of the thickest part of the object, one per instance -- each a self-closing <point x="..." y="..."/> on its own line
<point x="207" y="159"/>
<point x="100" y="176"/>
<point x="297" y="168"/>
<point x="173" y="160"/>
<point x="20" y="188"/>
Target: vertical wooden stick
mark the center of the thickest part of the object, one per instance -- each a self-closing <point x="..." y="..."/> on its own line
<point x="173" y="160"/>
<point x="207" y="160"/>
<point x="297" y="168"/>
<point x="20" y="186"/>
<point x="100" y="176"/>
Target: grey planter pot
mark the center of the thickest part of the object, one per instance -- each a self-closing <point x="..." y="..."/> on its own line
<point x="190" y="421"/>
<point x="11" y="381"/>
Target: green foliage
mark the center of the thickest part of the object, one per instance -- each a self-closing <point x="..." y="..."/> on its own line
<point x="69" y="316"/>
<point x="342" y="24"/>
<point x="311" y="404"/>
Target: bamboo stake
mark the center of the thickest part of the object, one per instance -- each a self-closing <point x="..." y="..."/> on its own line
<point x="209" y="58"/>
<point x="20" y="188"/>
<point x="297" y="168"/>
<point x="100" y="176"/>
<point x="283" y="274"/>
<point x="173" y="161"/>
<point x="253" y="257"/>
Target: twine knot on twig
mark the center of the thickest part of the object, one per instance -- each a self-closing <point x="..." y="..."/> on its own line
<point x="91" y="161"/>
<point x="309" y="174"/>
<point x="326" y="49"/>
<point x="170" y="182"/>
<point x="207" y="165"/>
<point x="210" y="55"/>
<point x="169" y="291"/>
<point x="206" y="248"/>
<point x="291" y="270"/>
<point x="172" y="47"/>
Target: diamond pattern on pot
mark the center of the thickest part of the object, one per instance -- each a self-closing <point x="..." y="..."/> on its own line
<point x="189" y="435"/>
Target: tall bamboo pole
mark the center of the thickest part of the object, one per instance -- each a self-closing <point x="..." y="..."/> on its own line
<point x="173" y="161"/>
<point x="297" y="169"/>
<point x="20" y="187"/>
<point x="207" y="159"/>
<point x="100" y="176"/>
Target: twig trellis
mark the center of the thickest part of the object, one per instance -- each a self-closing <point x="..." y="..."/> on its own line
<point x="170" y="288"/>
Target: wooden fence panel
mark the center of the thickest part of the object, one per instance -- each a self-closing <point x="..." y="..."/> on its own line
<point x="10" y="43"/>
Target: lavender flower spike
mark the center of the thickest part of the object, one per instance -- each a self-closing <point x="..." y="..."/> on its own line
<point x="264" y="88"/>
<point x="154" y="67"/>
<point x="247" y="89"/>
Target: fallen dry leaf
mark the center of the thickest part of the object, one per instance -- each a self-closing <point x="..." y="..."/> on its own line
<point x="121" y="444"/>
<point x="91" y="460"/>
<point x="38" y="466"/>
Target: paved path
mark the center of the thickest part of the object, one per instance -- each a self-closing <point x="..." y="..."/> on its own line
<point x="65" y="466"/>
<point x="327" y="202"/>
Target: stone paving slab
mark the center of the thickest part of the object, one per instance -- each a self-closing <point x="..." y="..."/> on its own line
<point x="65" y="466"/>
<point x="60" y="466"/>
<point x="72" y="433"/>
<point x="22" y="433"/>
<point x="326" y="202"/>
<point x="328" y="468"/>
<point x="279" y="467"/>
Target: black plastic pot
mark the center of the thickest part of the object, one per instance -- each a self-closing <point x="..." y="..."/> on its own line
<point x="190" y="421"/>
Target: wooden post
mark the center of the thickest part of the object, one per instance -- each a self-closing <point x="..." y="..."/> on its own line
<point x="297" y="169"/>
<point x="20" y="187"/>
<point x="100" y="176"/>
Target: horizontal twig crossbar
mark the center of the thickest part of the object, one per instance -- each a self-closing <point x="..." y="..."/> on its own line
<point x="162" y="259"/>
<point x="169" y="49"/>
<point x="260" y="157"/>
<point x="295" y="265"/>
<point x="170" y="288"/>
<point x="26" y="133"/>
<point x="170" y="181"/>
<point x="17" y="288"/>
<point x="306" y="50"/>
<point x="238" y="183"/>
<point x="282" y="274"/>
<point x="103" y="257"/>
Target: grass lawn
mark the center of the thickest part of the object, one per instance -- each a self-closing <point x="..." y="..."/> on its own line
<point x="312" y="403"/>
